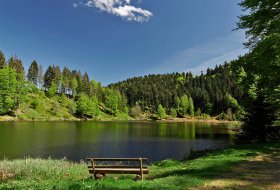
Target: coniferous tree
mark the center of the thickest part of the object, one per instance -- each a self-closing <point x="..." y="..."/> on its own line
<point x="85" y="84"/>
<point x="16" y="64"/>
<point x="57" y="75"/>
<point x="33" y="73"/>
<point x="66" y="80"/>
<point x="74" y="86"/>
<point x="49" y="77"/>
<point x="191" y="107"/>
<point x="2" y="60"/>
<point x="40" y="76"/>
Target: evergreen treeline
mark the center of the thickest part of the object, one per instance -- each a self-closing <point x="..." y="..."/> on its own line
<point x="177" y="94"/>
<point x="213" y="93"/>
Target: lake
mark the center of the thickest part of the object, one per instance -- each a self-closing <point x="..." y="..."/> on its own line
<point x="78" y="140"/>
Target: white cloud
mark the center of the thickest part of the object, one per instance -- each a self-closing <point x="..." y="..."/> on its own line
<point x="75" y="5"/>
<point x="122" y="8"/>
<point x="211" y="63"/>
<point x="203" y="56"/>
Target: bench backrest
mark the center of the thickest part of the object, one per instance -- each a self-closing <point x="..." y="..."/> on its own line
<point x="117" y="163"/>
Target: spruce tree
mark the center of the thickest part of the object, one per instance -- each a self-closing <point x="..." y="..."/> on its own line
<point x="48" y="77"/>
<point x="85" y="84"/>
<point x="2" y="60"/>
<point x="40" y="76"/>
<point x="33" y="73"/>
<point x="16" y="64"/>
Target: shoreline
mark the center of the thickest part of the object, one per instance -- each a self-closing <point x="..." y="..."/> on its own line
<point x="173" y="120"/>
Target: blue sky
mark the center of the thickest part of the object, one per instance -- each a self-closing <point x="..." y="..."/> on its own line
<point x="116" y="39"/>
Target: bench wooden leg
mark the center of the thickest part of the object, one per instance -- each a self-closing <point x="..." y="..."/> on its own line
<point x="99" y="176"/>
<point x="138" y="177"/>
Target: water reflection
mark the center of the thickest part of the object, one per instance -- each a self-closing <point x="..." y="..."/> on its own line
<point x="77" y="140"/>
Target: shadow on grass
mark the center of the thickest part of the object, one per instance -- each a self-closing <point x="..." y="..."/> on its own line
<point x="217" y="166"/>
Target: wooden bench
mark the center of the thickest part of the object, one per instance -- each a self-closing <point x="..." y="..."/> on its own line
<point x="99" y="167"/>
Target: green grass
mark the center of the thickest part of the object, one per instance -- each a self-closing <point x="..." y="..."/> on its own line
<point x="39" y="107"/>
<point x="168" y="174"/>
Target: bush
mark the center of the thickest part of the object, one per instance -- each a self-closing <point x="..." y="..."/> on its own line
<point x="173" y="112"/>
<point x="136" y="111"/>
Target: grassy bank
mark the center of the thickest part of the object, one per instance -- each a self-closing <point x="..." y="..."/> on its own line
<point x="168" y="174"/>
<point x="118" y="117"/>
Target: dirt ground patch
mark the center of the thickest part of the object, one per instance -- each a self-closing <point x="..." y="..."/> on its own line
<point x="260" y="172"/>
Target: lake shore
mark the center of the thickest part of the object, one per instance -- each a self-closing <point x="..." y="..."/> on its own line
<point x="175" y="120"/>
<point x="252" y="166"/>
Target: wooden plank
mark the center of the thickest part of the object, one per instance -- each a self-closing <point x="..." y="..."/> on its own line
<point x="119" y="171"/>
<point x="118" y="166"/>
<point x="117" y="159"/>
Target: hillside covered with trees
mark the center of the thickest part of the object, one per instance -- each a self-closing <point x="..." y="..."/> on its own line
<point x="55" y="93"/>
<point x="214" y="93"/>
<point x="58" y="93"/>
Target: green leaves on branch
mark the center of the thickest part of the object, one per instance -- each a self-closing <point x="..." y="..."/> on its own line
<point x="185" y="106"/>
<point x="258" y="71"/>
<point x="8" y="90"/>
<point x="161" y="114"/>
<point x="2" y="60"/>
<point x="87" y="106"/>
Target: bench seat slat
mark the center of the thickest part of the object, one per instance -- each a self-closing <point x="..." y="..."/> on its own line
<point x="120" y="170"/>
<point x="117" y="159"/>
<point x="117" y="166"/>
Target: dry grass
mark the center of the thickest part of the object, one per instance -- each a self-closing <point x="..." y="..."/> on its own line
<point x="259" y="172"/>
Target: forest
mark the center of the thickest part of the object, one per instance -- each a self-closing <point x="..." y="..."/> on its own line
<point x="215" y="93"/>
<point x="63" y="93"/>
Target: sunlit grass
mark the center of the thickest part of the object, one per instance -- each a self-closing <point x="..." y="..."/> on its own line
<point x="169" y="174"/>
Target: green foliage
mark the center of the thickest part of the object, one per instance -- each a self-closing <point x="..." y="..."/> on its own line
<point x="87" y="106"/>
<point x="173" y="112"/>
<point x="33" y="73"/>
<point x="136" y="111"/>
<point x="227" y="116"/>
<point x="198" y="112"/>
<point x="191" y="107"/>
<point x="85" y="84"/>
<point x="41" y="77"/>
<point x="161" y="114"/>
<point x="52" y="90"/>
<point x="209" y="108"/>
<point x="41" y="174"/>
<point x="183" y="105"/>
<point x="207" y="90"/>
<point x="259" y="69"/>
<point x="35" y="102"/>
<point x="2" y="60"/>
<point x="16" y="64"/>
<point x="74" y="84"/>
<point x="112" y="100"/>
<point x="263" y="20"/>
<point x="66" y="81"/>
<point x="8" y="89"/>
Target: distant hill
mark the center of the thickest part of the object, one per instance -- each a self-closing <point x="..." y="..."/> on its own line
<point x="212" y="93"/>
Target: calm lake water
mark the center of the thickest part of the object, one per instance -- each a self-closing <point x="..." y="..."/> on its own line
<point x="78" y="140"/>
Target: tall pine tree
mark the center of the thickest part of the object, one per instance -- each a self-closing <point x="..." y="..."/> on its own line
<point x="2" y="60"/>
<point x="33" y="73"/>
